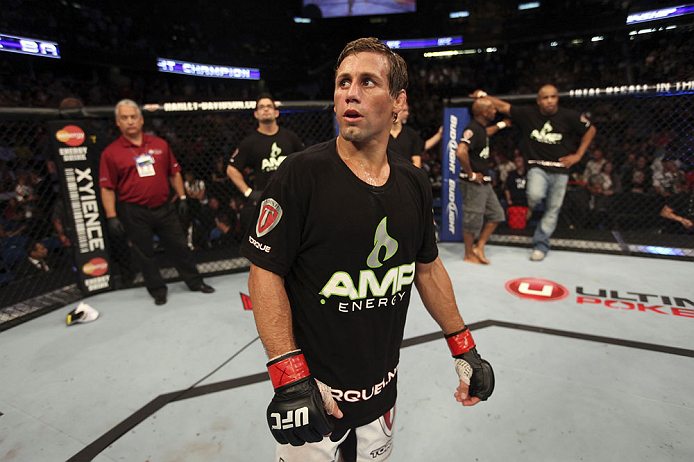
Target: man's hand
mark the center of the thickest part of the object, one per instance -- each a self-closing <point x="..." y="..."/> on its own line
<point x="478" y="94"/>
<point x="299" y="411"/>
<point x="115" y="227"/>
<point x="479" y="178"/>
<point x="183" y="207"/>
<point x="476" y="375"/>
<point x="570" y="160"/>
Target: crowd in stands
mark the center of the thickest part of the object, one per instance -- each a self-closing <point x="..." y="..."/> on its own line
<point x="642" y="165"/>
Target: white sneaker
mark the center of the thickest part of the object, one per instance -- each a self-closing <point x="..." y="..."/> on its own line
<point x="537" y="255"/>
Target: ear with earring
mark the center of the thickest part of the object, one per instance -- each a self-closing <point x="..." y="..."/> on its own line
<point x="395" y="117"/>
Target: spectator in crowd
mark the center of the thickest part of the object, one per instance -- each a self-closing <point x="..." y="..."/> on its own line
<point x="638" y="179"/>
<point x="136" y="170"/>
<point x="678" y="212"/>
<point x="228" y="237"/>
<point x="548" y="134"/>
<point x="594" y="165"/>
<point x="25" y="194"/>
<point x="670" y="179"/>
<point x="263" y="151"/>
<point x="38" y="260"/>
<point x="586" y="207"/>
<point x="612" y="183"/>
<point x="404" y="140"/>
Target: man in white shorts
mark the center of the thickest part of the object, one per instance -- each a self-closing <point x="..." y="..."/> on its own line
<point x="342" y="232"/>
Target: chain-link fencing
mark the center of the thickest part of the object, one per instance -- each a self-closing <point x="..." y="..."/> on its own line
<point x="633" y="191"/>
<point x="645" y="138"/>
<point x="38" y="269"/>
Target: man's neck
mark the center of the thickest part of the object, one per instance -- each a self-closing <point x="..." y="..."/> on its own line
<point x="368" y="160"/>
<point x="136" y="139"/>
<point x="482" y="121"/>
<point x="269" y="128"/>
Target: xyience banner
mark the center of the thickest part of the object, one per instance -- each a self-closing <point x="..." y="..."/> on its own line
<point x="455" y="119"/>
<point x="76" y="162"/>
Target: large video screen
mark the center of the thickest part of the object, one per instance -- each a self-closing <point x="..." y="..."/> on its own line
<point x="342" y="8"/>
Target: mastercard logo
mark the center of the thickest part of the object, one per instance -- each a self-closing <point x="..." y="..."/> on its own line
<point x="95" y="267"/>
<point x="536" y="289"/>
<point x="72" y="135"/>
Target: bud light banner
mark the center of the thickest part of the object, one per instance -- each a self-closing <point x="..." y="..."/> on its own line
<point x="76" y="162"/>
<point x="455" y="119"/>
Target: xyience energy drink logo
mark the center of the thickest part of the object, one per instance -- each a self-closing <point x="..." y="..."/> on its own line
<point x="72" y="135"/>
<point x="537" y="289"/>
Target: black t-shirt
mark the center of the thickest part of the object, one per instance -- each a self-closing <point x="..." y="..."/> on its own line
<point x="548" y="138"/>
<point x="475" y="136"/>
<point x="347" y="251"/>
<point x="515" y="184"/>
<point x="264" y="153"/>
<point x="407" y="144"/>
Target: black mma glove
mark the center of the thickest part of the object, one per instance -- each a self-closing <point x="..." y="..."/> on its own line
<point x="115" y="227"/>
<point x="297" y="413"/>
<point x="183" y="207"/>
<point x="471" y="368"/>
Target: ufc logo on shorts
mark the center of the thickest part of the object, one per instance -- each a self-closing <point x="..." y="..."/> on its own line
<point x="295" y="418"/>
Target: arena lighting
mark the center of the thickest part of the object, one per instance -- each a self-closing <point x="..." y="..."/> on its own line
<point x="655" y="15"/>
<point x="449" y="53"/>
<point x="490" y="49"/>
<point x="597" y="38"/>
<point x="302" y="20"/>
<point x="424" y="43"/>
<point x="207" y="70"/>
<point x="577" y="41"/>
<point x="528" y="6"/>
<point x="458" y="14"/>
<point x="29" y="46"/>
<point x="554" y="44"/>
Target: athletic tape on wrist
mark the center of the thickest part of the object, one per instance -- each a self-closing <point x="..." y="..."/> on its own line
<point x="460" y="342"/>
<point x="287" y="369"/>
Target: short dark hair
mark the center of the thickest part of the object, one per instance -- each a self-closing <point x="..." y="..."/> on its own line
<point x="397" y="72"/>
<point x="265" y="95"/>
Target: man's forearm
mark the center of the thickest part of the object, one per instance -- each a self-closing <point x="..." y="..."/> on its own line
<point x="177" y="183"/>
<point x="586" y="140"/>
<point x="436" y="291"/>
<point x="236" y="177"/>
<point x="108" y="200"/>
<point x="272" y="312"/>
<point x="462" y="154"/>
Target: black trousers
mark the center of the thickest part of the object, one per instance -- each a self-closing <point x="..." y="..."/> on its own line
<point x="141" y="224"/>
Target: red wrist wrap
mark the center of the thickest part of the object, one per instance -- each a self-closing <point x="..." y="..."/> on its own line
<point x="461" y="342"/>
<point x="286" y="371"/>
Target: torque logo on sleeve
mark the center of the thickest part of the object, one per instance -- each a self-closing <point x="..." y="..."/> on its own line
<point x="270" y="215"/>
<point x="537" y="289"/>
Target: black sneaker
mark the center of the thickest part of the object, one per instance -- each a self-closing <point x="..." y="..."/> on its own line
<point x="204" y="288"/>
<point x="160" y="299"/>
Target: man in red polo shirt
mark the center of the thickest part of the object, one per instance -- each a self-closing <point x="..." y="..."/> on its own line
<point x="136" y="170"/>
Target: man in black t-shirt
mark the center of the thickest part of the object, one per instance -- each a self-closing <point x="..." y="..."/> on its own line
<point x="404" y="140"/>
<point x="554" y="139"/>
<point x="263" y="151"/>
<point x="342" y="233"/>
<point x="482" y="212"/>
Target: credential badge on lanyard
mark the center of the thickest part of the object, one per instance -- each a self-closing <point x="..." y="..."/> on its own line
<point x="145" y="165"/>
